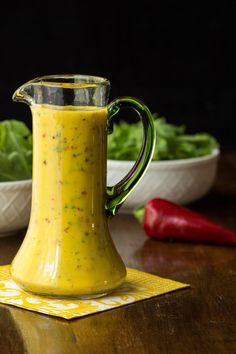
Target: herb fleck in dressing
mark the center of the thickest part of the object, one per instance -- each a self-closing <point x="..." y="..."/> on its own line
<point x="68" y="249"/>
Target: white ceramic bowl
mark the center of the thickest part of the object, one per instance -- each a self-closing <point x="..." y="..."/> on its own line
<point x="180" y="181"/>
<point x="15" y="206"/>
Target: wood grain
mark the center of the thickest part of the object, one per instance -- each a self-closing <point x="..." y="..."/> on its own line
<point x="198" y="320"/>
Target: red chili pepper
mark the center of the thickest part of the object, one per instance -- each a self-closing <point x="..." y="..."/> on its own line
<point x="165" y="220"/>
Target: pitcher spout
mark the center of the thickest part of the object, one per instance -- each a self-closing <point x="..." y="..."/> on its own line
<point x="24" y="94"/>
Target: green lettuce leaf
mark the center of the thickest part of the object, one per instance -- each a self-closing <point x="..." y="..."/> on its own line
<point x="15" y="151"/>
<point x="172" y="141"/>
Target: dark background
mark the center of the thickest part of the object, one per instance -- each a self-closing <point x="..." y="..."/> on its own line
<point x="177" y="59"/>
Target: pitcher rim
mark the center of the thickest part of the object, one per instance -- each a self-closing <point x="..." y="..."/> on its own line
<point x="64" y="79"/>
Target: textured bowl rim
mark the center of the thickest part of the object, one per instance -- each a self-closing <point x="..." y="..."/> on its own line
<point x="16" y="183"/>
<point x="164" y="163"/>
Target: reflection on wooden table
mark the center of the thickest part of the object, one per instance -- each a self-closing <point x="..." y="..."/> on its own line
<point x="173" y="258"/>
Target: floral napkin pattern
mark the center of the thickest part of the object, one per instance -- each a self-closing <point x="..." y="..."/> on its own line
<point x="138" y="286"/>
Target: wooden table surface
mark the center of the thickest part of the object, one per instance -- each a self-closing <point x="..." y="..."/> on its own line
<point x="200" y="319"/>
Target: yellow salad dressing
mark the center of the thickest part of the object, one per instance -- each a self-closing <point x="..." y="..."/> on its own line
<point x="68" y="250"/>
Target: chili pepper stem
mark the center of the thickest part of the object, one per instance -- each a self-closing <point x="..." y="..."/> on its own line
<point x="139" y="214"/>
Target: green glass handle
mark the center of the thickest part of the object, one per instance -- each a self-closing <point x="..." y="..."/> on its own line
<point x="117" y="194"/>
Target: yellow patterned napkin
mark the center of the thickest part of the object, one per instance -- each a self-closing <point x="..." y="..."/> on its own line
<point x="138" y="286"/>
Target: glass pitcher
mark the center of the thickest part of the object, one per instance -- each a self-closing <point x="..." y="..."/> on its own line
<point x="68" y="250"/>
